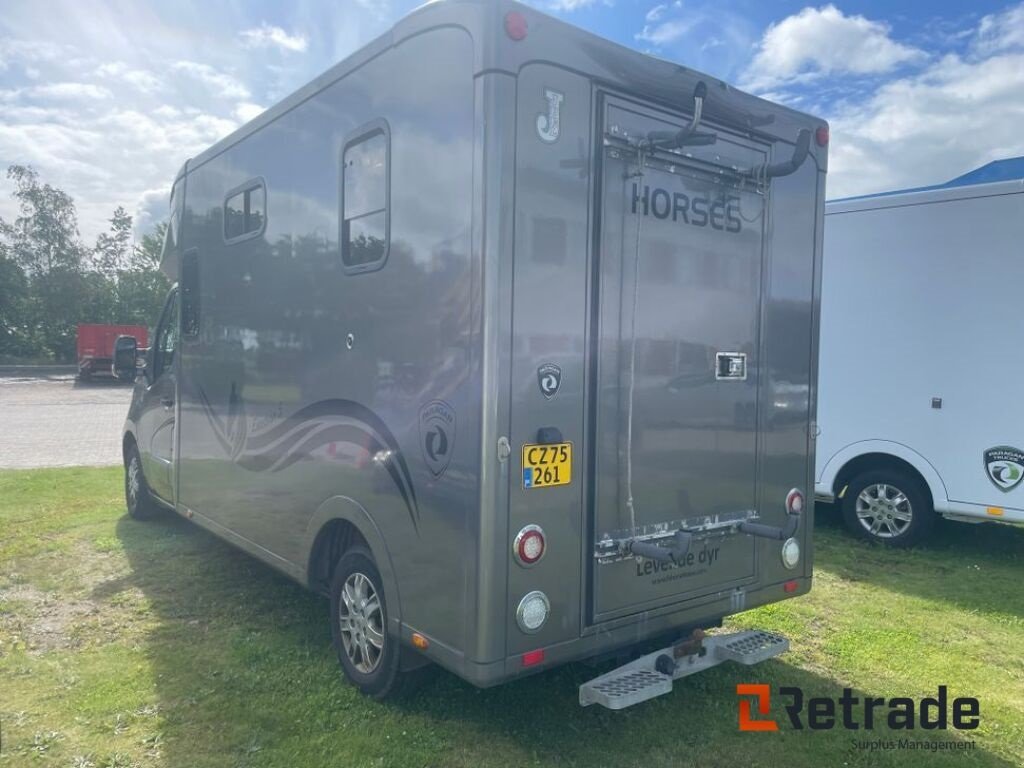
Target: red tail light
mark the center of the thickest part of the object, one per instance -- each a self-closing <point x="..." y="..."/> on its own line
<point x="821" y="136"/>
<point x="529" y="545"/>
<point x="791" y="586"/>
<point x="795" y="502"/>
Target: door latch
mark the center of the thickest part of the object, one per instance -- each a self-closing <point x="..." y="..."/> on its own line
<point x="731" y="366"/>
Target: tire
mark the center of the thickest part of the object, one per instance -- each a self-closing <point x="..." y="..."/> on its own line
<point x="889" y="507"/>
<point x="136" y="492"/>
<point x="368" y="654"/>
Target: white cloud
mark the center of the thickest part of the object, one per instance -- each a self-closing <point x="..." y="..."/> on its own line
<point x="572" y="5"/>
<point x="716" y="41"/>
<point x="668" y="31"/>
<point x="824" y="41"/>
<point x="1001" y="31"/>
<point x="956" y="115"/>
<point x="140" y="79"/>
<point x="246" y="111"/>
<point x="656" y="13"/>
<point x="220" y="82"/>
<point x="110" y="102"/>
<point x="266" y="35"/>
<point x="71" y="91"/>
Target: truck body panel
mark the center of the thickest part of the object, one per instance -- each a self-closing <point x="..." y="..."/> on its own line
<point x="396" y="379"/>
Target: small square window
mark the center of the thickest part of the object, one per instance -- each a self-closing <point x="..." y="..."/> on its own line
<point x="245" y="211"/>
<point x="365" y="214"/>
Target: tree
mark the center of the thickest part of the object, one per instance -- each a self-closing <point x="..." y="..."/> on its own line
<point x="142" y="287"/>
<point x="45" y="236"/>
<point x="50" y="281"/>
<point x="114" y="249"/>
<point x="146" y="255"/>
<point x="15" y="339"/>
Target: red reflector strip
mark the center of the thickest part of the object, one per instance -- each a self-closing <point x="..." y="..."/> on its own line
<point x="791" y="586"/>
<point x="532" y="658"/>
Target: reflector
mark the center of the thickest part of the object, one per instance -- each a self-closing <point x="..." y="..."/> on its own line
<point x="532" y="658"/>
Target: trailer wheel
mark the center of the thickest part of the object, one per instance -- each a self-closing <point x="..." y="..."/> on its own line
<point x="368" y="655"/>
<point x="889" y="507"/>
<point x="136" y="492"/>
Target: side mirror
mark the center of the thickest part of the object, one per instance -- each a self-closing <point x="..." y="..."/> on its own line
<point x="125" y="354"/>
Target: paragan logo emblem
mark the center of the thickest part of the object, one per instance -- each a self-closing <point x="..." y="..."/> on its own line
<point x="1004" y="466"/>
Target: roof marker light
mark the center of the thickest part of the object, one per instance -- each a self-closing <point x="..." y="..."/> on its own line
<point x="515" y="25"/>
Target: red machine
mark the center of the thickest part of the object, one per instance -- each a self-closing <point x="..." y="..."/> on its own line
<point x="96" y="346"/>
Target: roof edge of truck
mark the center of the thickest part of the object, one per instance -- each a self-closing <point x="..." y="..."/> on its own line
<point x="923" y="196"/>
<point x="442" y="13"/>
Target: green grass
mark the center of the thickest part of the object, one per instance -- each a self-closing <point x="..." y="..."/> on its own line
<point x="127" y="643"/>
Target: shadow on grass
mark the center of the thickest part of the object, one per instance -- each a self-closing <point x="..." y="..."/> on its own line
<point x="975" y="567"/>
<point x="245" y="675"/>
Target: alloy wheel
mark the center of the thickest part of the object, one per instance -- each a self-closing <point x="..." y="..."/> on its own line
<point x="361" y="621"/>
<point x="884" y="511"/>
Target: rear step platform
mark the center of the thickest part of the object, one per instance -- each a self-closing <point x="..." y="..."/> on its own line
<point x="653" y="674"/>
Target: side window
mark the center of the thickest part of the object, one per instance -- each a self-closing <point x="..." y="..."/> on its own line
<point x="245" y="211"/>
<point x="166" y="337"/>
<point x="365" y="198"/>
<point x="174" y="222"/>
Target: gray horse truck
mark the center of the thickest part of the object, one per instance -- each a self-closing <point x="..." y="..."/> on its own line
<point x="504" y="337"/>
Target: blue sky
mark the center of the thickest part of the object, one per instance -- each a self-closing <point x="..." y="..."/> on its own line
<point x="107" y="98"/>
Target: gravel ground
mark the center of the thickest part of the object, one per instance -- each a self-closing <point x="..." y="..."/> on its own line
<point x="52" y="420"/>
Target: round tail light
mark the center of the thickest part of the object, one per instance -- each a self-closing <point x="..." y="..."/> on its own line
<point x="821" y="135"/>
<point x="791" y="553"/>
<point x="795" y="502"/>
<point x="529" y="545"/>
<point x="532" y="612"/>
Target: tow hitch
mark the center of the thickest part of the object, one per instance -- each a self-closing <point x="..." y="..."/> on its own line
<point x="652" y="675"/>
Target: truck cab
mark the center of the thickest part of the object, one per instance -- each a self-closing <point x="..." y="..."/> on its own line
<point x="150" y="430"/>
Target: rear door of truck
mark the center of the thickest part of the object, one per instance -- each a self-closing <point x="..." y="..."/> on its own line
<point x="674" y="358"/>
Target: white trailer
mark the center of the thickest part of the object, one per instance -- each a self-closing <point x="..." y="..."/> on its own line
<point x="921" y="356"/>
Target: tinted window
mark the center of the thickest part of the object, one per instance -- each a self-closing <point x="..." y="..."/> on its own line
<point x="245" y="211"/>
<point x="166" y="337"/>
<point x="364" y="219"/>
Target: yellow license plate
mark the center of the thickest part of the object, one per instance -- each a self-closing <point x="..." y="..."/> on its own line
<point x="546" y="465"/>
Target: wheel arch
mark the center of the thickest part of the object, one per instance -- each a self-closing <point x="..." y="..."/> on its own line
<point x="883" y="454"/>
<point x="127" y="440"/>
<point x="338" y="524"/>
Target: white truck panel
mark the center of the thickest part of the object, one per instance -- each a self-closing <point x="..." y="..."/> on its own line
<point x="921" y="299"/>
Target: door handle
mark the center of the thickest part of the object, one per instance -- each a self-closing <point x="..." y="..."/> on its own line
<point x="167" y="402"/>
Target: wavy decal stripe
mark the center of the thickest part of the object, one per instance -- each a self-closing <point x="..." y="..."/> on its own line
<point x="320" y="424"/>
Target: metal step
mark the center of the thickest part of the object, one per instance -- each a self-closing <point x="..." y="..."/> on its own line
<point x="645" y="678"/>
<point x="752" y="647"/>
<point x="624" y="688"/>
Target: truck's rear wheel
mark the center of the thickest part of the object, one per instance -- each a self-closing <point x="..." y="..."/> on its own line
<point x="887" y="506"/>
<point x="136" y="493"/>
<point x="368" y="655"/>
